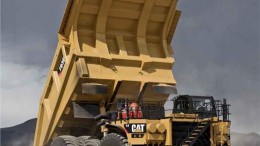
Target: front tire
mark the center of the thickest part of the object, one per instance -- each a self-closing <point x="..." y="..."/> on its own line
<point x="114" y="139"/>
<point x="89" y="141"/>
<point x="66" y="140"/>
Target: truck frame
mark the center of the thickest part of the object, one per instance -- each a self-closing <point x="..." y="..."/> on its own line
<point x="111" y="76"/>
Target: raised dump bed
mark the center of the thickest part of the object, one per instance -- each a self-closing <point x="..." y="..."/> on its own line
<point x="107" y="49"/>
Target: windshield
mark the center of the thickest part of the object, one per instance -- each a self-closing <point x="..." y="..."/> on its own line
<point x="194" y="104"/>
<point x="202" y="104"/>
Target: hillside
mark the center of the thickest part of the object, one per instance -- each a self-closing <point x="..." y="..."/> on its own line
<point x="250" y="139"/>
<point x="19" y="135"/>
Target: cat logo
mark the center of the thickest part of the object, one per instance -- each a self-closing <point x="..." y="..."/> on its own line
<point x="135" y="128"/>
<point x="61" y="66"/>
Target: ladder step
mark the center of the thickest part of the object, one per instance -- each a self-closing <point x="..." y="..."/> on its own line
<point x="187" y="141"/>
<point x="197" y="130"/>
<point x="191" y="137"/>
<point x="185" y="145"/>
<point x="194" y="134"/>
<point x="204" y="123"/>
<point x="201" y="126"/>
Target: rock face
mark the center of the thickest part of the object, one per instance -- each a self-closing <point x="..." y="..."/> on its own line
<point x="19" y="135"/>
<point x="23" y="134"/>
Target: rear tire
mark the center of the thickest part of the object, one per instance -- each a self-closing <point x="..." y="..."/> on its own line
<point x="89" y="141"/>
<point x="66" y="140"/>
<point x="114" y="139"/>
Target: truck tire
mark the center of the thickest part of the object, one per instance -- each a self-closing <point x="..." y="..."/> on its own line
<point x="66" y="140"/>
<point x="89" y="141"/>
<point x="114" y="139"/>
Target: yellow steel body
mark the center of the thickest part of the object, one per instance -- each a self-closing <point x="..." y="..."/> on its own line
<point x="218" y="136"/>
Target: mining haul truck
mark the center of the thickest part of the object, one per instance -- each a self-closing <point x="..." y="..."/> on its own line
<point x="112" y="75"/>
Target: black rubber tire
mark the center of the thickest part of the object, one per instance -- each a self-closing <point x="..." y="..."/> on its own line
<point x="89" y="141"/>
<point x="114" y="139"/>
<point x="66" y="140"/>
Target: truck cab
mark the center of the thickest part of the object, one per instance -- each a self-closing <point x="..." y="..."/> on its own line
<point x="202" y="105"/>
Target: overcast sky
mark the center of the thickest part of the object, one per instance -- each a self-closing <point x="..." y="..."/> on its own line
<point x="216" y="46"/>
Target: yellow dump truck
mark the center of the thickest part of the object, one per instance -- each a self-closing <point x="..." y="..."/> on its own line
<point x="111" y="76"/>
